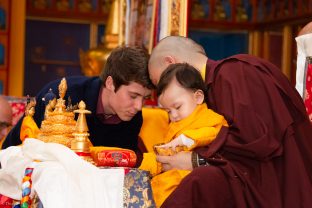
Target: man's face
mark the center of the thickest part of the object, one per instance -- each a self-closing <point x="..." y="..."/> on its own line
<point x="128" y="100"/>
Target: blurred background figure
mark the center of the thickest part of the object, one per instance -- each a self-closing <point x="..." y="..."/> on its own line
<point x="5" y="118"/>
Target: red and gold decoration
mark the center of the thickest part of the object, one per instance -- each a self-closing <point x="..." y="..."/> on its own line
<point x="113" y="157"/>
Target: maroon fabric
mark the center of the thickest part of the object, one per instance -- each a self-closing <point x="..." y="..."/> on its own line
<point x="265" y="156"/>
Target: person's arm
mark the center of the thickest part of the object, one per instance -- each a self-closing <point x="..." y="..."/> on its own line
<point x="251" y="102"/>
<point x="249" y="99"/>
<point x="193" y="138"/>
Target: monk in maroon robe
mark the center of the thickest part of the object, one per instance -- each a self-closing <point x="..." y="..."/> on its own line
<point x="264" y="157"/>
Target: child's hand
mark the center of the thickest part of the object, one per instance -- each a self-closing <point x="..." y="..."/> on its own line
<point x="180" y="140"/>
<point x="173" y="143"/>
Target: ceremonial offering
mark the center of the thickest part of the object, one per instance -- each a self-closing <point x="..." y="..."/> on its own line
<point x="59" y="124"/>
<point x="113" y="157"/>
<point x="168" y="151"/>
<point x="81" y="143"/>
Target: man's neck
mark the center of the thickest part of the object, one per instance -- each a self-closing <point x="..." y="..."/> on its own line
<point x="107" y="108"/>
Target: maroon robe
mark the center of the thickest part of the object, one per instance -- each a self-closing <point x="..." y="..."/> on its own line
<point x="264" y="158"/>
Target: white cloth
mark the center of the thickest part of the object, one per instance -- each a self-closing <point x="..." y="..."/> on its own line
<point x="304" y="49"/>
<point x="61" y="179"/>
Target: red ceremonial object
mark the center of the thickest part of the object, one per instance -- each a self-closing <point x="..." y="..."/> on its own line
<point x="115" y="158"/>
<point x="308" y="90"/>
<point x="5" y="202"/>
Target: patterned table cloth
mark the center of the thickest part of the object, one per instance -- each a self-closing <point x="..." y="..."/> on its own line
<point x="137" y="192"/>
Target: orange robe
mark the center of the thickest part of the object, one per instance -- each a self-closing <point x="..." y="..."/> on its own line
<point x="29" y="128"/>
<point x="202" y="126"/>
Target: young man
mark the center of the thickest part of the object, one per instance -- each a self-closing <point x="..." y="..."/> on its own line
<point x="115" y="99"/>
<point x="264" y="158"/>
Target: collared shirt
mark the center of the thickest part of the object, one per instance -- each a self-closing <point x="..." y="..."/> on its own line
<point x="104" y="118"/>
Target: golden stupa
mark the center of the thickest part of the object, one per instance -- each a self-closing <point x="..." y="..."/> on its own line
<point x="81" y="143"/>
<point x="59" y="124"/>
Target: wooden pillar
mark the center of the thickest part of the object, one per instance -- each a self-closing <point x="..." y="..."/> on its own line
<point x="17" y="48"/>
<point x="93" y="35"/>
<point x="266" y="45"/>
<point x="287" y="46"/>
<point x="254" y="45"/>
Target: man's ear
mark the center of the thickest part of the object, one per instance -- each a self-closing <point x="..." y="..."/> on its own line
<point x="109" y="84"/>
<point x="199" y="96"/>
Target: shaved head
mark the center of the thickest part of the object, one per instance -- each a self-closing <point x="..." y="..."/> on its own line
<point x="306" y="29"/>
<point x="174" y="49"/>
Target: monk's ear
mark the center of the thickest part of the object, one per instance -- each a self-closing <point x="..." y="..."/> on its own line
<point x="169" y="60"/>
<point x="199" y="96"/>
<point x="109" y="84"/>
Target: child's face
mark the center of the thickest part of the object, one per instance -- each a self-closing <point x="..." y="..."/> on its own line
<point x="179" y="102"/>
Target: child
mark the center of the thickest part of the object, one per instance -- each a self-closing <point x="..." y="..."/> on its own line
<point x="181" y="92"/>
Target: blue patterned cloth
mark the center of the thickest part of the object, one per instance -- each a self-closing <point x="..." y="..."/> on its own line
<point x="137" y="189"/>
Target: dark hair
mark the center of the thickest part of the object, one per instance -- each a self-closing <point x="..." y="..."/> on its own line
<point x="186" y="75"/>
<point x="127" y="64"/>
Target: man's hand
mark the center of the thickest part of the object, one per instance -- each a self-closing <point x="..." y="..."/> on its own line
<point x="181" y="161"/>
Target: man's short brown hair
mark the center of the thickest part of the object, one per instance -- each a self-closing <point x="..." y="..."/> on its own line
<point x="127" y="64"/>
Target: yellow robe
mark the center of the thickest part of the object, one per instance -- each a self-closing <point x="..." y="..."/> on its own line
<point x="29" y="128"/>
<point x="202" y="126"/>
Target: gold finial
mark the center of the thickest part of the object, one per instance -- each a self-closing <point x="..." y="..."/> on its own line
<point x="81" y="143"/>
<point x="62" y="88"/>
<point x="81" y="126"/>
<point x="60" y="104"/>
